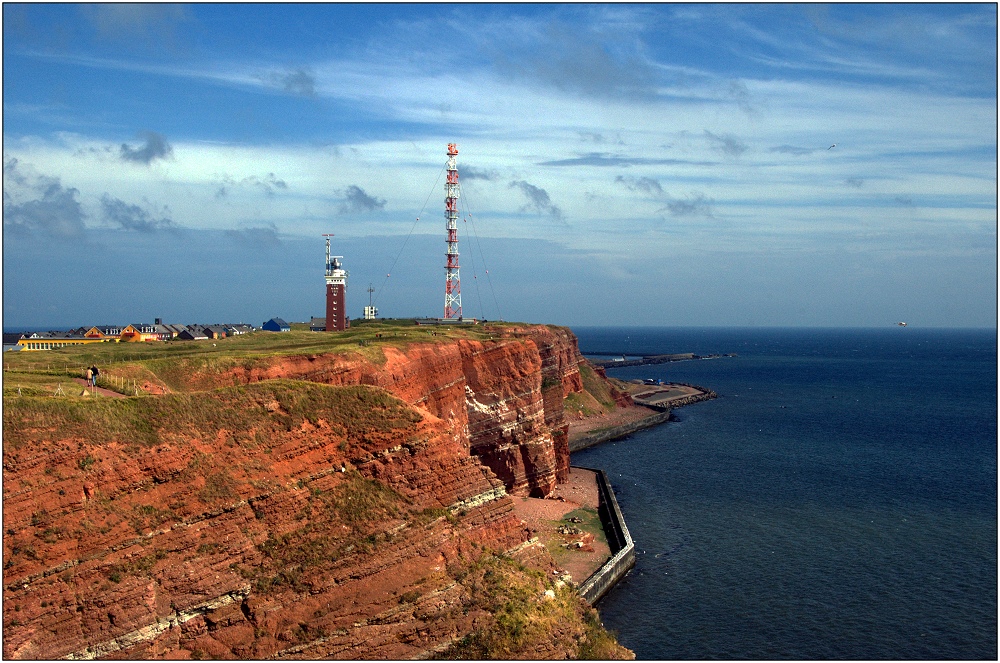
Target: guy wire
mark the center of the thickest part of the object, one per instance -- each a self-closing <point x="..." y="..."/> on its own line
<point x="389" y="273"/>
<point x="482" y="257"/>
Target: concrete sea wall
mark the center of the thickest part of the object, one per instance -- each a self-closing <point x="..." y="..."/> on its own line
<point x="619" y="540"/>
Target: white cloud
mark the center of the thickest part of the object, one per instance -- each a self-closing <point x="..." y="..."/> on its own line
<point x="673" y="159"/>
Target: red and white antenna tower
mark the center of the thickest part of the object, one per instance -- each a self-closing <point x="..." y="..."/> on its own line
<point x="452" y="283"/>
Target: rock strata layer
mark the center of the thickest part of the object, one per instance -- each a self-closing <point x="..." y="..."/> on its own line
<point x="503" y="398"/>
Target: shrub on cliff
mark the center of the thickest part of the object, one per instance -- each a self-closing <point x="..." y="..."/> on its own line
<point x="527" y="617"/>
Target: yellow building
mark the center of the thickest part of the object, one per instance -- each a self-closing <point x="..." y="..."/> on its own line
<point x="54" y="342"/>
<point x="139" y="333"/>
<point x="106" y="332"/>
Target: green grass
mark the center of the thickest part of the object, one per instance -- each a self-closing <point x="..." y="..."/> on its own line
<point x="596" y="398"/>
<point x="401" y="332"/>
<point x="583" y="403"/>
<point x="359" y="500"/>
<point x="511" y="593"/>
<point x="596" y="387"/>
<point x="20" y="384"/>
<point x="357" y="411"/>
<point x="598" y="644"/>
<point x="140" y="567"/>
<point x="591" y="524"/>
<point x="175" y="362"/>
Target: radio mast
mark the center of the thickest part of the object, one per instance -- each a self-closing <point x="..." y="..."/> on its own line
<point x="452" y="283"/>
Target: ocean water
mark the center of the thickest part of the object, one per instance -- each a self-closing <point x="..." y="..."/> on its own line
<point x="837" y="501"/>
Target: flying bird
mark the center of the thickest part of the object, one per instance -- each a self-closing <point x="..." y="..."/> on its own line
<point x="832" y="146"/>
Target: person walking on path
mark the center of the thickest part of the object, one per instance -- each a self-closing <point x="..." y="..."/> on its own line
<point x="90" y="376"/>
<point x="94" y="373"/>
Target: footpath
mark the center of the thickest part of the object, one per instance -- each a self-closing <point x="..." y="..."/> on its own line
<point x="97" y="391"/>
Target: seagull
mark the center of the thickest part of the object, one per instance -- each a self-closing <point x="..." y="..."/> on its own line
<point x="832" y="146"/>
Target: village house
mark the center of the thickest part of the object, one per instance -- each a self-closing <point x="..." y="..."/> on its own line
<point x="192" y="333"/>
<point x="139" y="333"/>
<point x="104" y="332"/>
<point x="215" y="331"/>
<point x="237" y="330"/>
<point x="276" y="325"/>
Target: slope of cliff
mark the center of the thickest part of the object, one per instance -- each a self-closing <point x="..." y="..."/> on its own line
<point x="296" y="506"/>
<point x="501" y="392"/>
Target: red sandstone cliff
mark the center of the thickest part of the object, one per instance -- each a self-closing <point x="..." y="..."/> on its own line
<point x="503" y="398"/>
<point x="279" y="518"/>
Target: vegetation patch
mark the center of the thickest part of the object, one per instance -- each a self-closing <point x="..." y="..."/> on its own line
<point x="148" y="516"/>
<point x="581" y="405"/>
<point x="357" y="412"/>
<point x="590" y="521"/>
<point x="289" y="556"/>
<point x="597" y="643"/>
<point x="220" y="486"/>
<point x="359" y="500"/>
<point x="139" y="567"/>
<point x="363" y="504"/>
<point x="525" y="612"/>
<point x="596" y="387"/>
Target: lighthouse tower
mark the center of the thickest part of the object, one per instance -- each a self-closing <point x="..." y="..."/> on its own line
<point x="452" y="283"/>
<point x="336" y="291"/>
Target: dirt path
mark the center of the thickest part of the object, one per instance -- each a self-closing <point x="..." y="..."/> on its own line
<point x="545" y="516"/>
<point x="98" y="391"/>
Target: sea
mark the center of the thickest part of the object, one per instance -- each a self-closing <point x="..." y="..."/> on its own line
<point x="838" y="500"/>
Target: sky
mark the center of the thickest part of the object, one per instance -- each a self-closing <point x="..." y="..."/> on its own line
<point x="796" y="165"/>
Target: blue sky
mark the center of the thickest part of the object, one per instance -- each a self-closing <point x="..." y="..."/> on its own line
<point x="621" y="164"/>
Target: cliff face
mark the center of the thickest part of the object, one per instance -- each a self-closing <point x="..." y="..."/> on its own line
<point x="503" y="399"/>
<point x="280" y="518"/>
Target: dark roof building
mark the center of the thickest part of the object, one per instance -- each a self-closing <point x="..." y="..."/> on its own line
<point x="193" y="333"/>
<point x="276" y="325"/>
<point x="215" y="331"/>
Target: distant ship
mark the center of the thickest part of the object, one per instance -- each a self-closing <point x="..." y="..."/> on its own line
<point x="901" y="324"/>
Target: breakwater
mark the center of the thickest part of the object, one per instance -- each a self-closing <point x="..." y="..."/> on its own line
<point x="648" y="359"/>
<point x="619" y="540"/>
<point x="650" y="401"/>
